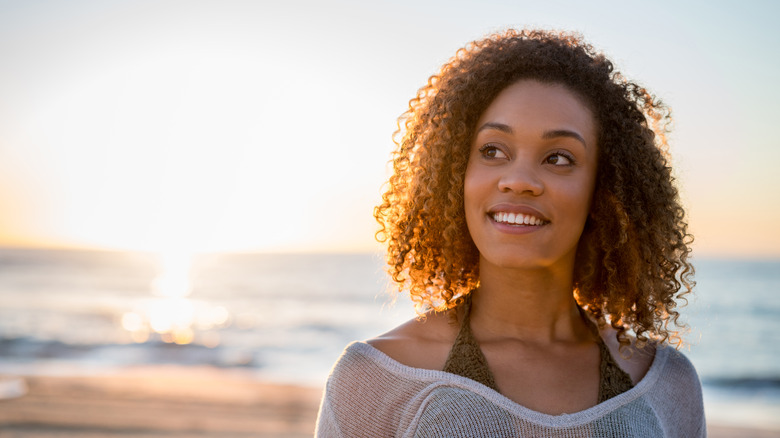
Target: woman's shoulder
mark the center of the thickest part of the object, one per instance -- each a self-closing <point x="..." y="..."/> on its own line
<point x="674" y="392"/>
<point x="660" y="358"/>
<point x="419" y="343"/>
<point x="367" y="394"/>
<point x="634" y="360"/>
<point x="376" y="384"/>
<point x="678" y="370"/>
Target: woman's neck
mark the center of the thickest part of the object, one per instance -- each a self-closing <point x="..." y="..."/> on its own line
<point x="532" y="305"/>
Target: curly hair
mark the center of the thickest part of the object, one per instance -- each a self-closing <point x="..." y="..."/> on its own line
<point x="632" y="262"/>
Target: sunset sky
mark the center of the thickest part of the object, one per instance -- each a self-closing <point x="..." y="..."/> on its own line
<point x="237" y="126"/>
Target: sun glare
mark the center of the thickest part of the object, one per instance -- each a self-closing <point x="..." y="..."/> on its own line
<point x="170" y="316"/>
<point x="167" y="140"/>
<point x="174" y="280"/>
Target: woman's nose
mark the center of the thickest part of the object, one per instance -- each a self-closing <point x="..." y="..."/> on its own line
<point x="521" y="178"/>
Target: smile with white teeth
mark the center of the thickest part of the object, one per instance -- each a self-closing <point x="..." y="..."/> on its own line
<point x="517" y="219"/>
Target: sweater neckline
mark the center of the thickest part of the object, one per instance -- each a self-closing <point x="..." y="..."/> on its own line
<point x="445" y="379"/>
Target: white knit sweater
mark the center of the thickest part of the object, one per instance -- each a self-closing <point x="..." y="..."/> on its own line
<point x="368" y="394"/>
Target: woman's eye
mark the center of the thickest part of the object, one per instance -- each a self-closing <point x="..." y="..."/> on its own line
<point x="559" y="159"/>
<point x="491" y="151"/>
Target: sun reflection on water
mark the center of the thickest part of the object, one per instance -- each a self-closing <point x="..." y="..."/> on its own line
<point x="174" y="279"/>
<point x="170" y="314"/>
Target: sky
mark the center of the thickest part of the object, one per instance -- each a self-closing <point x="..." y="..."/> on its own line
<point x="243" y="126"/>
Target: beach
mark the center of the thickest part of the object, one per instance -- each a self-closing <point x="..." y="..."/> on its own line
<point x="98" y="347"/>
<point x="161" y="402"/>
<point x="180" y="402"/>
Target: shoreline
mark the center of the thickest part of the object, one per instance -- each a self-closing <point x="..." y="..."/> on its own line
<point x="158" y="402"/>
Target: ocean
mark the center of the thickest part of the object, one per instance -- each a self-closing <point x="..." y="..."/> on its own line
<point x="287" y="317"/>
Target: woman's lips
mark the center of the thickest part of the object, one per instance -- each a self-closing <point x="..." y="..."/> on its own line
<point x="517" y="219"/>
<point x="513" y="214"/>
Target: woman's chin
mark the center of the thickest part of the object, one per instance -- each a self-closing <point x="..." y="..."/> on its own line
<point x="511" y="258"/>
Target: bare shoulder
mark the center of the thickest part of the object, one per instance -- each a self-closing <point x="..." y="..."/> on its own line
<point x="633" y="360"/>
<point x="419" y="343"/>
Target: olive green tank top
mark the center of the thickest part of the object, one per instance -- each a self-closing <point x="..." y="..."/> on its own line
<point x="466" y="359"/>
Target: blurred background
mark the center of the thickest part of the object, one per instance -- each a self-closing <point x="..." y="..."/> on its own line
<point x="191" y="183"/>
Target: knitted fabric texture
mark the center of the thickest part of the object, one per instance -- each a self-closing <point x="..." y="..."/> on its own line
<point x="466" y="359"/>
<point x="369" y="394"/>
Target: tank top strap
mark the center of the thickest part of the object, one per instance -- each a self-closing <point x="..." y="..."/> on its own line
<point x="466" y="358"/>
<point x="613" y="381"/>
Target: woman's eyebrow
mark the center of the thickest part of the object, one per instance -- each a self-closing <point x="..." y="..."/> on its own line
<point x="556" y="133"/>
<point x="498" y="126"/>
<point x="564" y="133"/>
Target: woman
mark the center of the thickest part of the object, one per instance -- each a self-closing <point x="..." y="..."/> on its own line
<point x="533" y="220"/>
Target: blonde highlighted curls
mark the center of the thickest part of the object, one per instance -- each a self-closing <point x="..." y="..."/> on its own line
<point x="632" y="260"/>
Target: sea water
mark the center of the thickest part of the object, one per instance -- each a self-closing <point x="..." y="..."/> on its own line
<point x="287" y="317"/>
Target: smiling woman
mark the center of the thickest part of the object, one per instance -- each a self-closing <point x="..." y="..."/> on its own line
<point x="532" y="219"/>
<point x="534" y="139"/>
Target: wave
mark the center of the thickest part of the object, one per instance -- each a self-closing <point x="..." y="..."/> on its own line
<point x="744" y="382"/>
<point x="152" y="352"/>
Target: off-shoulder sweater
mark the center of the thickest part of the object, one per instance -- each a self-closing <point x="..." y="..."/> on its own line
<point x="369" y="394"/>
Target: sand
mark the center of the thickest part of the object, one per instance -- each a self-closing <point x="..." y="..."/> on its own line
<point x="179" y="402"/>
<point x="159" y="403"/>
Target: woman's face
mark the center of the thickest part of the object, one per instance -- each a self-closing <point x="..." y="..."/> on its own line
<point x="530" y="177"/>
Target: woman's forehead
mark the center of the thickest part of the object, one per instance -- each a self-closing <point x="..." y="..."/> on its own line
<point x="543" y="106"/>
